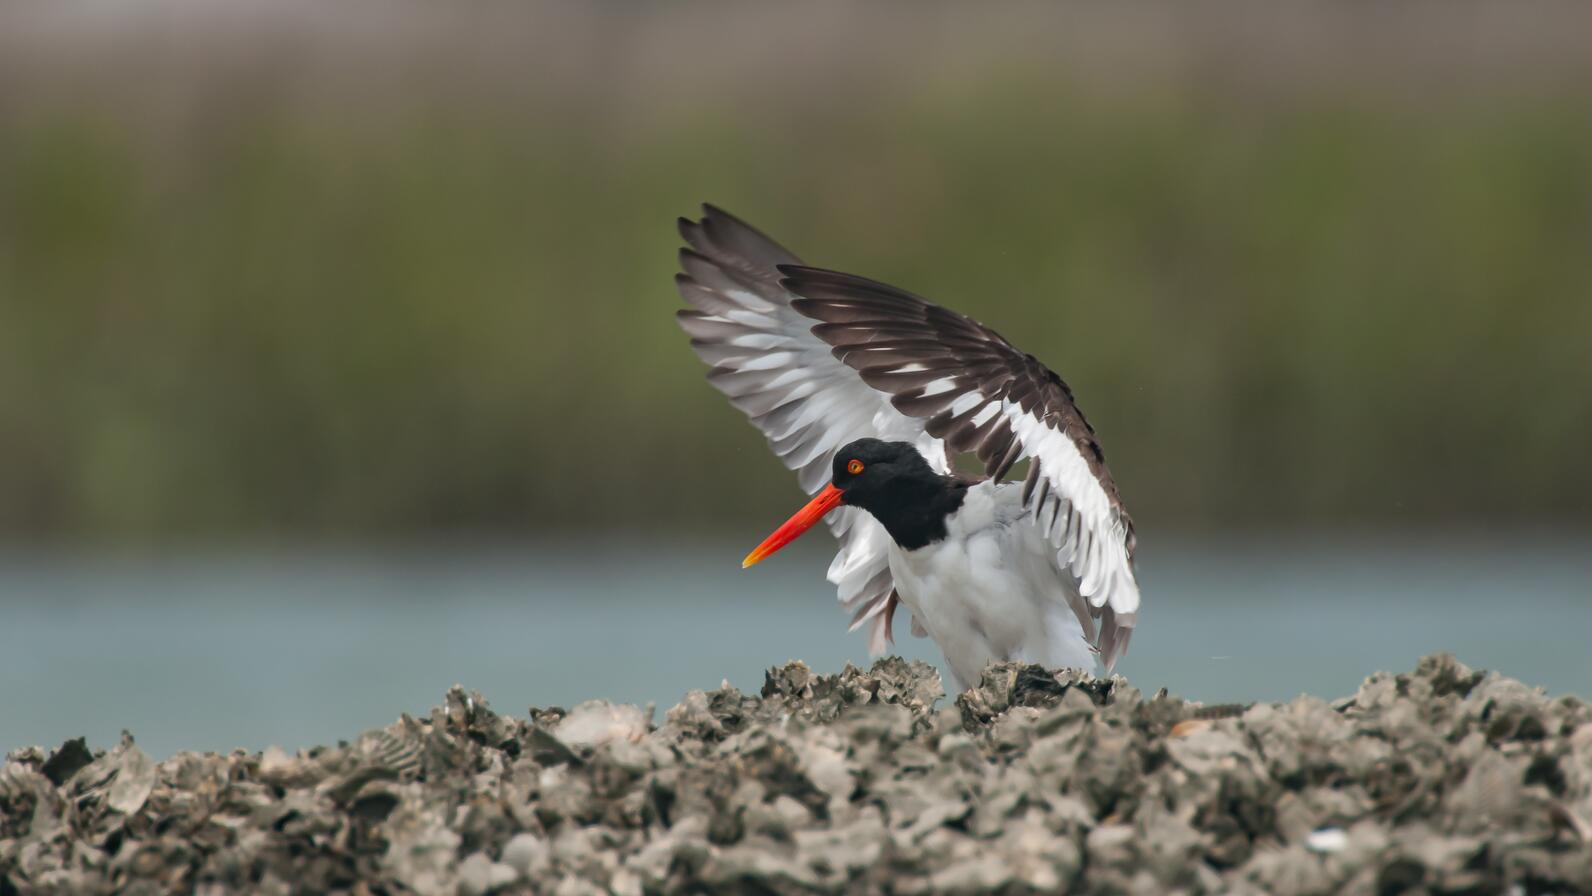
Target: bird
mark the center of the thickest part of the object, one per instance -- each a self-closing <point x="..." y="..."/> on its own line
<point x="871" y="394"/>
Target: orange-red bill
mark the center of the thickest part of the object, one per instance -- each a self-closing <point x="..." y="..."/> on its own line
<point x="822" y="503"/>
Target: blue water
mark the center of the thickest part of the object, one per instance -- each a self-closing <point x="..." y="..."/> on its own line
<point x="216" y="649"/>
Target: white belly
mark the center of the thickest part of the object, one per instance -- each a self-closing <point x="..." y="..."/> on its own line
<point x="990" y="591"/>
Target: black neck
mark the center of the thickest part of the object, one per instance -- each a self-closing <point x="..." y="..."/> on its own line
<point x="915" y="513"/>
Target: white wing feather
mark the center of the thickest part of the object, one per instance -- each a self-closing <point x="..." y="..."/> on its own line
<point x="766" y="359"/>
<point x="980" y="393"/>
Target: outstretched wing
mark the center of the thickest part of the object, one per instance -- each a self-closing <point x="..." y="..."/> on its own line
<point x="979" y="393"/>
<point x="766" y="359"/>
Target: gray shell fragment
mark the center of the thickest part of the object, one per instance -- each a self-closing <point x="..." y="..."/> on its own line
<point x="1440" y="780"/>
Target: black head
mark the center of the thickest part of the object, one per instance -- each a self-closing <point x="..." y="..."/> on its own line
<point x="868" y="471"/>
<point x="890" y="480"/>
<point x="893" y="482"/>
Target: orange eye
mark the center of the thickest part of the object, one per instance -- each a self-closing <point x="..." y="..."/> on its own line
<point x="854" y="466"/>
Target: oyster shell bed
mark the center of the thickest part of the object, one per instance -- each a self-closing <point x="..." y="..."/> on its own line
<point x="1443" y="780"/>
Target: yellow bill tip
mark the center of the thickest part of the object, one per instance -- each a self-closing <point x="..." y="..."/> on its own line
<point x="822" y="503"/>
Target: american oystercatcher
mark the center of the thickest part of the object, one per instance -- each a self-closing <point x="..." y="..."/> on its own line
<point x="867" y="392"/>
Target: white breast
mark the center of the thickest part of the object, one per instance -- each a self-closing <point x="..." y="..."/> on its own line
<point x="991" y="589"/>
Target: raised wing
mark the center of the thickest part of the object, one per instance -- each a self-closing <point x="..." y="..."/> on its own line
<point x="980" y="393"/>
<point x="766" y="359"/>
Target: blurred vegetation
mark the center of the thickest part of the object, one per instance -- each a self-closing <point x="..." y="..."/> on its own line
<point x="248" y="303"/>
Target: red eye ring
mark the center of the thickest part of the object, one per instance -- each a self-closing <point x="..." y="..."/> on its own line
<point x="854" y="466"/>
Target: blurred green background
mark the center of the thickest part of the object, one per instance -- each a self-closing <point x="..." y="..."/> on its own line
<point x="297" y="272"/>
<point x="338" y="362"/>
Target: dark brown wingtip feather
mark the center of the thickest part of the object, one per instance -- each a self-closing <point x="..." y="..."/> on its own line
<point x="683" y="319"/>
<point x="961" y="435"/>
<point x="810" y="276"/>
<point x="999" y="469"/>
<point x="837" y="286"/>
<point x="734" y="236"/>
<point x="712" y="214"/>
<point x="691" y="231"/>
<point x="1031" y="480"/>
